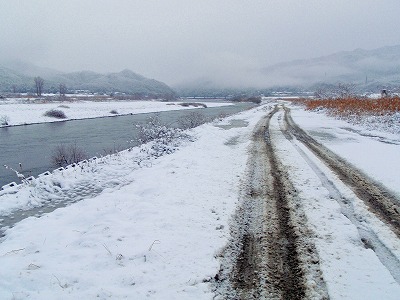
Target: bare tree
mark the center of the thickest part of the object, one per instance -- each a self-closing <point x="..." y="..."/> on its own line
<point x="345" y="90"/>
<point x="4" y="120"/>
<point x="323" y="93"/>
<point x="14" y="88"/>
<point x="340" y="91"/>
<point x="62" y="89"/>
<point x="39" y="83"/>
<point x="64" y="155"/>
<point x="192" y="120"/>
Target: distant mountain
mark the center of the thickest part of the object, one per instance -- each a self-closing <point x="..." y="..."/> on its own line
<point x="9" y="77"/>
<point x="208" y="88"/>
<point x="367" y="68"/>
<point x="20" y="76"/>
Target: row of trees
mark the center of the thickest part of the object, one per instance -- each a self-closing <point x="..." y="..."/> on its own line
<point x="350" y="90"/>
<point x="39" y="84"/>
<point x="341" y="91"/>
<point x="62" y="89"/>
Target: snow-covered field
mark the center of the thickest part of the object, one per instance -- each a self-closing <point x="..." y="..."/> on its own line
<point x="21" y="111"/>
<point x="157" y="230"/>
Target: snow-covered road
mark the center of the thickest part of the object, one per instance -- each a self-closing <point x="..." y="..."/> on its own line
<point x="162" y="231"/>
<point x="359" y="253"/>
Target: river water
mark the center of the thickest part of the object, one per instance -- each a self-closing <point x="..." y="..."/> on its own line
<point x="32" y="145"/>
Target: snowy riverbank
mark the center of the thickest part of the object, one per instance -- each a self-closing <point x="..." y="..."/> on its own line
<point x="158" y="236"/>
<point x="22" y="111"/>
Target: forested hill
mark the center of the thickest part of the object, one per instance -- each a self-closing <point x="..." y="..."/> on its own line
<point x="19" y="77"/>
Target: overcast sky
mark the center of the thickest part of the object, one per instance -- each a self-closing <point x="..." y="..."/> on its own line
<point x="184" y="40"/>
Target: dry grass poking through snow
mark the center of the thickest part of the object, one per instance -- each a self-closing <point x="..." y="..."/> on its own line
<point x="355" y="106"/>
<point x="381" y="114"/>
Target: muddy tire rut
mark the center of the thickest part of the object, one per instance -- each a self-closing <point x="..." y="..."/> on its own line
<point x="270" y="254"/>
<point x="379" y="200"/>
<point x="369" y="236"/>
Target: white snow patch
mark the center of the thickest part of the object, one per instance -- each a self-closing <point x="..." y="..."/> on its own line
<point x="29" y="112"/>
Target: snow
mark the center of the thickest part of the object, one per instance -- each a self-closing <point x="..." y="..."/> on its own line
<point x="375" y="153"/>
<point x="157" y="236"/>
<point x="23" y="111"/>
<point x="156" y="228"/>
<point x="350" y="270"/>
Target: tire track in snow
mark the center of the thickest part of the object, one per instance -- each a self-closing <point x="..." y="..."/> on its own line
<point x="368" y="237"/>
<point x="270" y="255"/>
<point x="385" y="205"/>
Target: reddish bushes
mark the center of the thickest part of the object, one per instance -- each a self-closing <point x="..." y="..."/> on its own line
<point x="355" y="106"/>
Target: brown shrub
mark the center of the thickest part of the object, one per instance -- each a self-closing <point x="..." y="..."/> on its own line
<point x="354" y="106"/>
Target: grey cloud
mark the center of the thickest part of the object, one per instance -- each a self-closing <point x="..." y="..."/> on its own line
<point x="182" y="40"/>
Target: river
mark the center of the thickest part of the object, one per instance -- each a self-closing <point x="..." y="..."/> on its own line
<point x="28" y="149"/>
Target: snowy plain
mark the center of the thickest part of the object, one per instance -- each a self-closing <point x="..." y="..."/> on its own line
<point x="158" y="229"/>
<point x="22" y="111"/>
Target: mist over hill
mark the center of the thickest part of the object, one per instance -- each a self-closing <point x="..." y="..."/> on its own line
<point x="19" y="76"/>
<point x="368" y="70"/>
